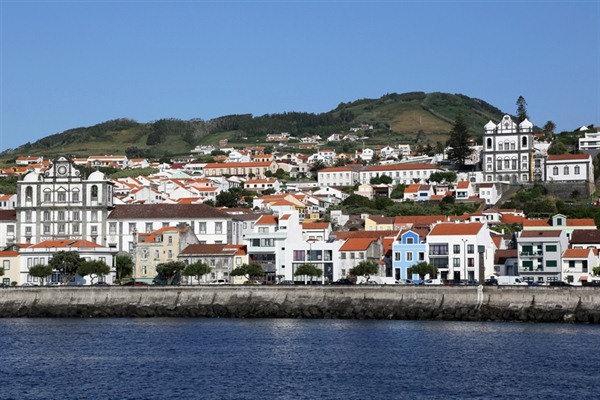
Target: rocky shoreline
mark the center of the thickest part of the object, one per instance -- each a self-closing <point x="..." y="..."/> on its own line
<point x="571" y="305"/>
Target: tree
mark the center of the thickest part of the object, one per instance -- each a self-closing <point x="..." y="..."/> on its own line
<point x="249" y="271"/>
<point x="41" y="271"/>
<point x="229" y="199"/>
<point x="124" y="266"/>
<point x="167" y="273"/>
<point x="1" y="271"/>
<point x="67" y="263"/>
<point x="459" y="141"/>
<point x="423" y="268"/>
<point x="93" y="268"/>
<point x="521" y="109"/>
<point x="308" y="270"/>
<point x="197" y="270"/>
<point x="549" y="128"/>
<point x="366" y="268"/>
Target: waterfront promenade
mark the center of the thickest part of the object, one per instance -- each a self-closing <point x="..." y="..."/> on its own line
<point x="541" y="304"/>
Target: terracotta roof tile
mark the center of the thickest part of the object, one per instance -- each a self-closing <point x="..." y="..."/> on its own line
<point x="456" y="229"/>
<point x="577" y="253"/>
<point x="357" y="244"/>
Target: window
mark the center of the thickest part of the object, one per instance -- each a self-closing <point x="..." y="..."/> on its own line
<point x="75" y="197"/>
<point x="144" y="270"/>
<point x="61" y="228"/>
<point x="409" y="256"/>
<point x="577" y="170"/>
<point x="298" y="255"/>
<point x="342" y="256"/>
<point x="6" y="265"/>
<point x="566" y="170"/>
<point x="470" y="262"/>
<point x="28" y="215"/>
<point x="571" y="264"/>
<point x="131" y="227"/>
<point x="397" y="256"/>
<point x="28" y="193"/>
<point x="456" y="249"/>
<point x="524" y="141"/>
<point x="410" y="240"/>
<point x="170" y="254"/>
<point x="47" y="197"/>
<point x="351" y="255"/>
<point x="361" y="255"/>
<point x="156" y="254"/>
<point x="62" y="197"/>
<point x="76" y="216"/>
<point x="94" y="193"/>
<point x="551" y="248"/>
<point x="551" y="263"/>
<point x="202" y="227"/>
<point x="555" y="171"/>
<point x="75" y="227"/>
<point x="112" y="228"/>
<point x="263" y="229"/>
<point x="170" y="239"/>
<point x="456" y="262"/>
<point x="421" y="256"/>
<point x="46" y="215"/>
<point x="470" y="248"/>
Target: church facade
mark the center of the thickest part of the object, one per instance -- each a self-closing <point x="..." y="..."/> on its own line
<point x="61" y="204"/>
<point x="507" y="151"/>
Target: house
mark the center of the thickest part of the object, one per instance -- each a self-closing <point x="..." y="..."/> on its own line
<point x="221" y="258"/>
<point x="244" y="169"/>
<point x="590" y="141"/>
<point x="559" y="221"/>
<point x="365" y="155"/>
<point x="42" y="252"/>
<point x="578" y="264"/>
<point x="268" y="245"/>
<point x="569" y="168"/>
<point x="464" y="190"/>
<point x="506" y="262"/>
<point x="540" y="253"/>
<point x="355" y="250"/>
<point x="10" y="262"/>
<point x="585" y="239"/>
<point x="418" y="192"/>
<point x="379" y="223"/>
<point x="8" y="228"/>
<point x="409" y="248"/>
<point x="337" y="176"/>
<point x="457" y="249"/>
<point x="125" y="221"/>
<point x="158" y="247"/>
<point x="405" y="173"/>
<point x="260" y="185"/>
<point x="108" y="161"/>
<point x="488" y="192"/>
<point x="316" y="231"/>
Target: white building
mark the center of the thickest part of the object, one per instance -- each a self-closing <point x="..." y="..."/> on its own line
<point x="400" y="173"/>
<point x="591" y="141"/>
<point x="569" y="168"/>
<point x="61" y="204"/>
<point x="507" y="151"/>
<point x="337" y="176"/>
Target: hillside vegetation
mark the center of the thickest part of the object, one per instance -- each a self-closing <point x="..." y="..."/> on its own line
<point x="396" y="118"/>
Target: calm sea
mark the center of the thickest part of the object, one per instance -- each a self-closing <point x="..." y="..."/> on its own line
<point x="295" y="359"/>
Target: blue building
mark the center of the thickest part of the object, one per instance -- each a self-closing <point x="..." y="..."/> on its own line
<point x="408" y="249"/>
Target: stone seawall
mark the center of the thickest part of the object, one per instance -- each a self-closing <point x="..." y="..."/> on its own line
<point x="539" y="304"/>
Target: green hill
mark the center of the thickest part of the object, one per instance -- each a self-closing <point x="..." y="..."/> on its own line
<point x="396" y="118"/>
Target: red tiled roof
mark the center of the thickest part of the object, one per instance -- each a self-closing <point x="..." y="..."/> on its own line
<point x="357" y="244"/>
<point x="577" y="253"/>
<point x="64" y="243"/>
<point x="315" y="225"/>
<point x="534" y="233"/>
<point x="456" y="229"/>
<point x="567" y="157"/>
<point x="266" y="220"/>
<point x="400" y="167"/>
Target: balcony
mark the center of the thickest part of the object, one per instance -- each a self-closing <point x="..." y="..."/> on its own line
<point x="531" y="254"/>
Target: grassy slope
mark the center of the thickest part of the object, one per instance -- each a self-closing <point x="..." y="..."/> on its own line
<point x="405" y="114"/>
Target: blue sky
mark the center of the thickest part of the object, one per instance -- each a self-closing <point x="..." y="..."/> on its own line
<point x="66" y="64"/>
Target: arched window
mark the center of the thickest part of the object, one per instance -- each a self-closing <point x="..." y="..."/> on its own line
<point x="28" y="193"/>
<point x="506" y="145"/>
<point x="524" y="141"/>
<point x="512" y="145"/>
<point x="555" y="171"/>
<point x="94" y="192"/>
<point x="566" y="170"/>
<point x="489" y="143"/>
<point x="577" y="170"/>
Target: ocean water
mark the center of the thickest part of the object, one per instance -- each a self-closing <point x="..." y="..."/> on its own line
<point x="177" y="358"/>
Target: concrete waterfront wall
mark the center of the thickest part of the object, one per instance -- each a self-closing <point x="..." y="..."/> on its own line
<point x="540" y="304"/>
